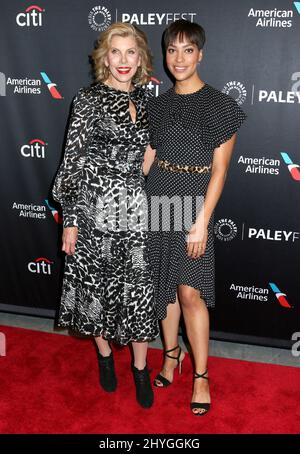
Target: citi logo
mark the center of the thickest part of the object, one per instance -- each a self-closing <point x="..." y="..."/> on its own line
<point x="40" y="266"/>
<point x="57" y="217"/>
<point x="51" y="86"/>
<point x="35" y="149"/>
<point x="281" y="297"/>
<point x="154" y="85"/>
<point x="294" y="169"/>
<point x="32" y="17"/>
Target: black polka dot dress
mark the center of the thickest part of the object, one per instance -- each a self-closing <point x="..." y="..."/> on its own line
<point x="184" y="130"/>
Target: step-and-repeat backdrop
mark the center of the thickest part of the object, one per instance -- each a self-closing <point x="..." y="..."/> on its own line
<point x="252" y="53"/>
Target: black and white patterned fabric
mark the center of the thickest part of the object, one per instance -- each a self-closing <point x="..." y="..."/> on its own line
<point x="185" y="130"/>
<point x="108" y="284"/>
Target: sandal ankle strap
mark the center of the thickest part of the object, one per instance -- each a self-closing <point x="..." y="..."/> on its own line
<point x="171" y="350"/>
<point x="196" y="375"/>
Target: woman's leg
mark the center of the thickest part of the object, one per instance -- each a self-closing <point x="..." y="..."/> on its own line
<point x="103" y="346"/>
<point x="108" y="379"/>
<point x="144" y="391"/>
<point x="196" y="320"/>
<point x="140" y="354"/>
<point x="170" y="327"/>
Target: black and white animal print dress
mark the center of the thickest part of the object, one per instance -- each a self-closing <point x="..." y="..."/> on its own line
<point x="108" y="283"/>
<point x="185" y="129"/>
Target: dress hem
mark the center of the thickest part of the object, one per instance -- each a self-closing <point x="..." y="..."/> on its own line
<point x="108" y="338"/>
<point x="209" y="305"/>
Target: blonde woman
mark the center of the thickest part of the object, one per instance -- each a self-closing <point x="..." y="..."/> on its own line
<point x="107" y="288"/>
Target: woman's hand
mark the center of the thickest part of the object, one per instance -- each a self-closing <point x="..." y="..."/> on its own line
<point x="69" y="239"/>
<point x="196" y="241"/>
<point x="149" y="157"/>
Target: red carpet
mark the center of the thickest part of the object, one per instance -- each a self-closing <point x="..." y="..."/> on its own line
<point x="49" y="384"/>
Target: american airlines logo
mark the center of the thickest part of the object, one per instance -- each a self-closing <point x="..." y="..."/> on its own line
<point x="246" y="293"/>
<point x="27" y="85"/>
<point x="274" y="18"/>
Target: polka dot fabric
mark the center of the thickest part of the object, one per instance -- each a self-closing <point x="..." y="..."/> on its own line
<point x="185" y="130"/>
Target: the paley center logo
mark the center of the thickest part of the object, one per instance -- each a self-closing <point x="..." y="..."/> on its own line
<point x="236" y="90"/>
<point x="99" y="18"/>
<point x="288" y="95"/>
<point x="31" y="17"/>
<point x="265" y="234"/>
<point x="225" y="229"/>
<point x="154" y="18"/>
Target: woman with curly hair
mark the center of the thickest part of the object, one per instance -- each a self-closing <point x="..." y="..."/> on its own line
<point x="108" y="290"/>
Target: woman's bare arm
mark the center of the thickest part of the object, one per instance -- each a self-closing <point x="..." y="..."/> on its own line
<point x="149" y="157"/>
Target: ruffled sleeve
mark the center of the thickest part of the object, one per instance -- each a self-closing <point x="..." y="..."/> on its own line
<point x="66" y="185"/>
<point x="227" y="120"/>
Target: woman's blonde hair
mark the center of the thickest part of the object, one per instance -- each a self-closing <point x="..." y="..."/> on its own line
<point x="144" y="71"/>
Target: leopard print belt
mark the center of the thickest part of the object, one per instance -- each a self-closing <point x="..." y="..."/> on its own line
<point x="179" y="168"/>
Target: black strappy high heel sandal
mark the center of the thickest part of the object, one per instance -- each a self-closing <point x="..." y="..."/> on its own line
<point x="198" y="405"/>
<point x="164" y="381"/>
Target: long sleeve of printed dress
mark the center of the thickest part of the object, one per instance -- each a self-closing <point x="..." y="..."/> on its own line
<point x="67" y="181"/>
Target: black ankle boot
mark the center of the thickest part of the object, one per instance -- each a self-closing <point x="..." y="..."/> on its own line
<point x="144" y="392"/>
<point x="108" y="379"/>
